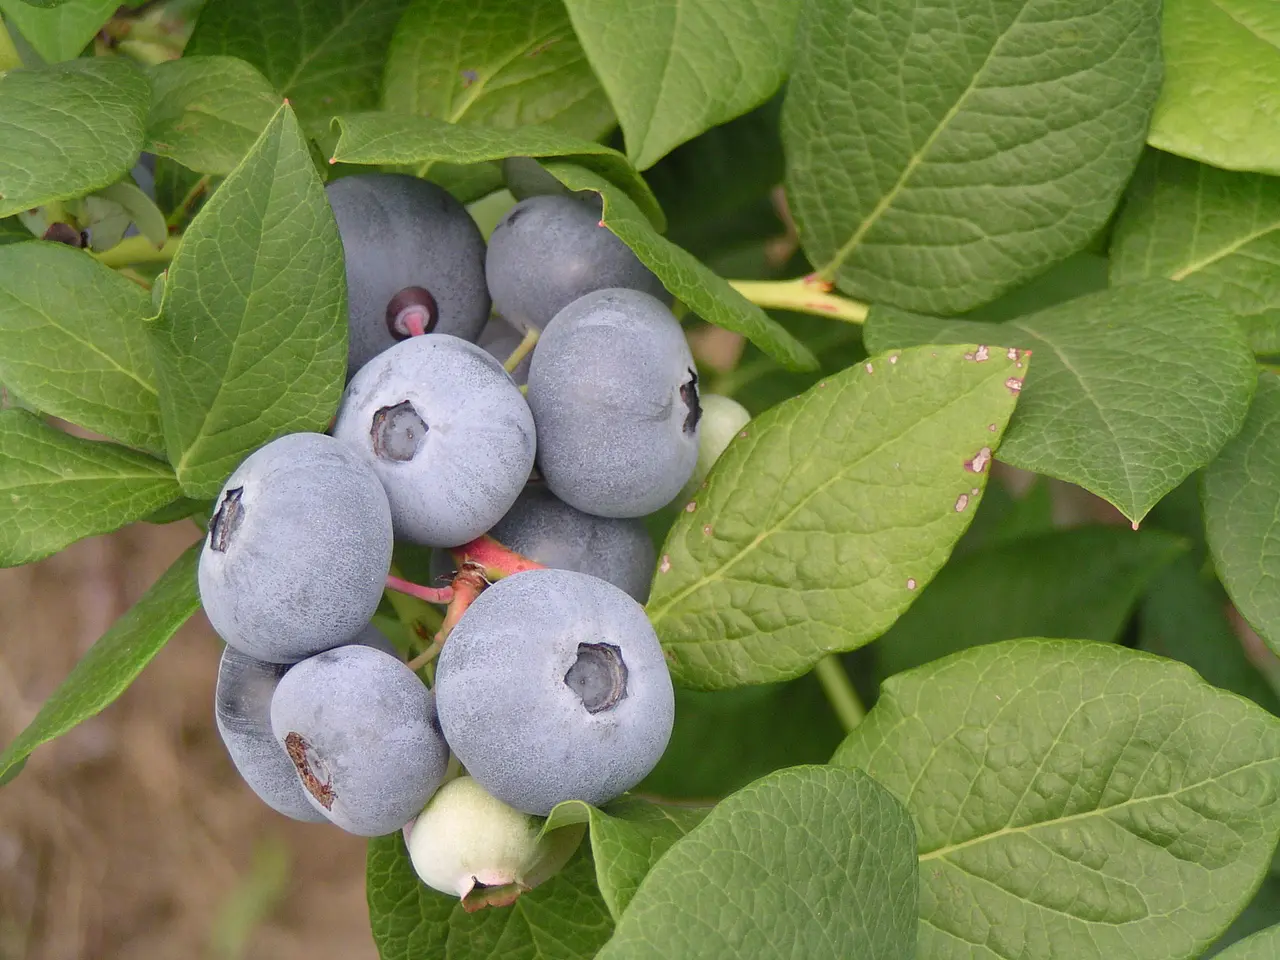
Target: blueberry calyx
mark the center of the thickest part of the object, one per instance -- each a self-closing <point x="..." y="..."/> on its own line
<point x="689" y="394"/>
<point x="412" y="310"/>
<point x="226" y="521"/>
<point x="307" y="763"/>
<point x="397" y="432"/>
<point x="598" y="676"/>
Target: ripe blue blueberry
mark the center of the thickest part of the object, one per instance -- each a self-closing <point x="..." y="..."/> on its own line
<point x="544" y="528"/>
<point x="614" y="393"/>
<point x="412" y="253"/>
<point x="361" y="731"/>
<point x="447" y="432"/>
<point x="553" y="687"/>
<point x="298" y="549"/>
<point x="550" y="250"/>
<point x="242" y="711"/>
<point x="500" y="339"/>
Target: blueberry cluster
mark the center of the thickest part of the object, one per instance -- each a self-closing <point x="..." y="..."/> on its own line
<point x="551" y="685"/>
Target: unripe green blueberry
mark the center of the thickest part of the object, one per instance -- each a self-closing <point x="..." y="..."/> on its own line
<point x="722" y="419"/>
<point x="466" y="840"/>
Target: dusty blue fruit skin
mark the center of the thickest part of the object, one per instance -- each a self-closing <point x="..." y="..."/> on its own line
<point x="474" y="456"/>
<point x="242" y="711"/>
<point x="361" y="729"/>
<point x="550" y="250"/>
<point x="397" y="232"/>
<point x="614" y="395"/>
<point x="544" y="528"/>
<point x="499" y="340"/>
<point x="511" y="719"/>
<point x="305" y="567"/>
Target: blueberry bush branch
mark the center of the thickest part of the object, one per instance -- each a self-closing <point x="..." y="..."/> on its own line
<point x="808" y="294"/>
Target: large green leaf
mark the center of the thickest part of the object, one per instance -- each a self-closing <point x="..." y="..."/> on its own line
<point x="251" y="341"/>
<point x="674" y="68"/>
<point x="1210" y="229"/>
<point x="326" y="56"/>
<point x="1241" y="504"/>
<point x="811" y="862"/>
<point x="73" y="342"/>
<point x="1075" y="799"/>
<point x="1262" y="912"/>
<point x="206" y="112"/>
<point x="1222" y="62"/>
<point x="563" y="919"/>
<point x="822" y="521"/>
<point x="1070" y="583"/>
<point x="62" y="32"/>
<point x="939" y="155"/>
<point x="1263" y="945"/>
<point x="1134" y="388"/>
<point x="702" y="290"/>
<point x="57" y="488"/>
<point x="420" y="142"/>
<point x="723" y="740"/>
<point x="627" y="838"/>
<point x="68" y="129"/>
<point x="1182" y="617"/>
<point x="496" y="63"/>
<point x="115" y="660"/>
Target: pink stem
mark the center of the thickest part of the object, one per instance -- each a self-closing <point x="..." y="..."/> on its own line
<point x="415" y="324"/>
<point x="440" y="595"/>
<point x="497" y="560"/>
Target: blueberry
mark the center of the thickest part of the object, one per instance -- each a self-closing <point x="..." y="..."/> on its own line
<point x="412" y="251"/>
<point x="550" y="250"/>
<point x="466" y="840"/>
<point x="722" y="419"/>
<point x="614" y="394"/>
<point x="361" y="731"/>
<point x="298" y="549"/>
<point x="242" y="711"/>
<point x="448" y="433"/>
<point x="553" y="687"/>
<point x="499" y="338"/>
<point x="544" y="528"/>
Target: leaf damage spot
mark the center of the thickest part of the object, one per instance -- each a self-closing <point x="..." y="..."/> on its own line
<point x="992" y="427"/>
<point x="982" y="354"/>
<point x="706" y="531"/>
<point x="691" y="506"/>
<point x="911" y="583"/>
<point x="1013" y="353"/>
<point x="665" y="565"/>
<point x="1014" y="384"/>
<point x="870" y="369"/>
<point x="894" y="358"/>
<point x="961" y="502"/>
<point x="979" y="461"/>
<point x="975" y="491"/>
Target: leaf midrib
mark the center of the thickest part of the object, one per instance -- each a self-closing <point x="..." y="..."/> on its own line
<point x="828" y="272"/>
<point x="657" y="614"/>
<point x="1196" y="266"/>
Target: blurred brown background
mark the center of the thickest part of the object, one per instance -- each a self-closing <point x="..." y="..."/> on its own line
<point x="133" y="836"/>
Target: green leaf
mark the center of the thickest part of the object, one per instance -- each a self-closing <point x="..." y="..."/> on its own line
<point x="326" y="56"/>
<point x="115" y="660"/>
<point x="12" y="231"/>
<point x="1210" y="229"/>
<point x="1133" y="390"/>
<point x="68" y="129"/>
<point x="1220" y="64"/>
<point x="1069" y="583"/>
<point x="563" y="919"/>
<point x="1075" y="799"/>
<point x="1076" y="276"/>
<point x="1263" y="945"/>
<point x="206" y="112"/>
<point x="251" y="341"/>
<point x="674" y="68"/>
<point x="59" y="488"/>
<point x="1182" y="618"/>
<point x="703" y="291"/>
<point x="724" y="740"/>
<point x="627" y="838"/>
<point x="59" y="33"/>
<point x="810" y="862"/>
<point x="73" y="342"/>
<point x="939" y="156"/>
<point x="819" y="525"/>
<point x="386" y="138"/>
<point x="495" y="63"/>
<point x="1262" y="912"/>
<point x="1241" y="503"/>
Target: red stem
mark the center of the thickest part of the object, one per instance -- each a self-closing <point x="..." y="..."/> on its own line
<point x="493" y="558"/>
<point x="440" y="595"/>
